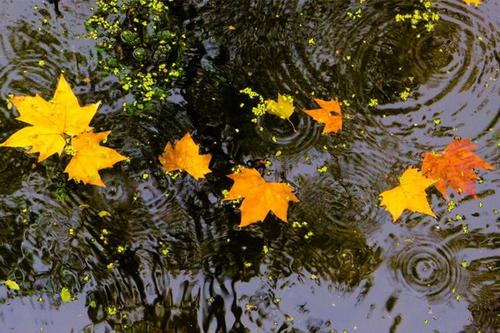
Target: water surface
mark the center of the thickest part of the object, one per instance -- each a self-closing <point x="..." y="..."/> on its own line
<point x="187" y="267"/>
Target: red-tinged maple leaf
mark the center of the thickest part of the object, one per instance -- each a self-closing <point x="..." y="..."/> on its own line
<point x="455" y="167"/>
<point x="329" y="114"/>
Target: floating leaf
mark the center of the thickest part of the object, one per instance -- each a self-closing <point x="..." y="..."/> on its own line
<point x="50" y="120"/>
<point x="260" y="197"/>
<point x="62" y="124"/>
<point x="329" y="114"/>
<point x="410" y="194"/>
<point x="12" y="285"/>
<point x="89" y="157"/>
<point x="184" y="155"/>
<point x="65" y="295"/>
<point x="282" y="107"/>
<point x="455" y="167"/>
<point x="473" y="2"/>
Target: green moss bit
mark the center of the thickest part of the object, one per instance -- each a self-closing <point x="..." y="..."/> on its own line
<point x="111" y="310"/>
<point x="65" y="295"/>
<point x="405" y="94"/>
<point x="104" y="213"/>
<point x="264" y="105"/>
<point x="425" y="15"/>
<point x="140" y="44"/>
<point x="323" y="169"/>
<point x="373" y="102"/>
<point x="355" y="14"/>
<point x="261" y="107"/>
<point x="12" y="285"/>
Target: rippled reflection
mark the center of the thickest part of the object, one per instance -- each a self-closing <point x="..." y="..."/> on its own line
<point x="429" y="268"/>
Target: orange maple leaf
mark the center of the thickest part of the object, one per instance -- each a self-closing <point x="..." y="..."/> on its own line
<point x="410" y="194"/>
<point x="455" y="167"/>
<point x="184" y="155"/>
<point x="328" y="114"/>
<point x="260" y="197"/>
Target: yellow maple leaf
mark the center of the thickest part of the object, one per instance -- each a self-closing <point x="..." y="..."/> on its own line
<point x="89" y="157"/>
<point x="260" y="197"/>
<point x="410" y="194"/>
<point x="50" y="120"/>
<point x="282" y="107"/>
<point x="184" y="155"/>
<point x="473" y="2"/>
<point x="329" y="114"/>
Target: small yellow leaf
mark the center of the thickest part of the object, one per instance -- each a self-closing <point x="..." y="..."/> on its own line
<point x="184" y="155"/>
<point x="282" y="107"/>
<point x="12" y="285"/>
<point x="410" y="194"/>
<point x="65" y="295"/>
